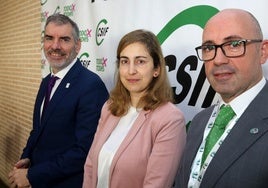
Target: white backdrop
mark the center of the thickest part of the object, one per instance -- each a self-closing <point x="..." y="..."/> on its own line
<point x="178" y="25"/>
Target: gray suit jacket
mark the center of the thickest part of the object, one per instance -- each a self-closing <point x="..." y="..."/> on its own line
<point x="242" y="159"/>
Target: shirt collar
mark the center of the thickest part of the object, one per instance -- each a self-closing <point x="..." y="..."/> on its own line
<point x="240" y="103"/>
<point x="64" y="71"/>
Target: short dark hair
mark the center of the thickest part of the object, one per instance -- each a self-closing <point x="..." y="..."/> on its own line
<point x="61" y="19"/>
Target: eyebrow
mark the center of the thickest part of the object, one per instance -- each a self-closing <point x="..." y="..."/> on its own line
<point x="136" y="57"/>
<point x="47" y="35"/>
<point x="226" y="39"/>
<point x="64" y="37"/>
<point x="233" y="37"/>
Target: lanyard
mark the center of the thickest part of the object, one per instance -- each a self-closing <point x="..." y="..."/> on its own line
<point x="197" y="172"/>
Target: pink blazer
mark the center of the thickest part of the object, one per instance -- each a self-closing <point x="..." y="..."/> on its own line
<point x="148" y="157"/>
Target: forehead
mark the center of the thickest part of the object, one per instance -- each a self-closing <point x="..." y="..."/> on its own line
<point x="54" y="29"/>
<point x="228" y="24"/>
<point x="135" y="48"/>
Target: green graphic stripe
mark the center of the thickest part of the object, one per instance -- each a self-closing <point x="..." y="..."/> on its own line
<point x="197" y="15"/>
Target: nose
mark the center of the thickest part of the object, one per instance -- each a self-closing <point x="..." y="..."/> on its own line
<point x="55" y="44"/>
<point x="220" y="57"/>
<point x="132" y="68"/>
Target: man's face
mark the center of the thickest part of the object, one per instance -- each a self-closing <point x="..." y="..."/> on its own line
<point x="60" y="47"/>
<point x="232" y="76"/>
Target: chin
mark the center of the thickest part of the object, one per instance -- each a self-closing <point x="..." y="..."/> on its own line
<point x="57" y="64"/>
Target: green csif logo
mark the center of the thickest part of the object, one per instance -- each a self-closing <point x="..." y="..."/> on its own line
<point x="101" y="31"/>
<point x="197" y="15"/>
<point x="43" y="2"/>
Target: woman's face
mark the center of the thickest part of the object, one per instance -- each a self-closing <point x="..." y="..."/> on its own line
<point x="136" y="69"/>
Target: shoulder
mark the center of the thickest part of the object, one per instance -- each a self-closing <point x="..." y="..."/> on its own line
<point x="201" y="118"/>
<point x="205" y="113"/>
<point x="84" y="72"/>
<point x="166" y="114"/>
<point x="167" y="119"/>
<point x="168" y="108"/>
<point x="105" y="107"/>
<point x="90" y="79"/>
<point x="106" y="116"/>
<point x="105" y="111"/>
<point x="89" y="74"/>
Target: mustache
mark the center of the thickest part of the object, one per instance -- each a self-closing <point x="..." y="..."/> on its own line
<point x="56" y="51"/>
<point x="223" y="69"/>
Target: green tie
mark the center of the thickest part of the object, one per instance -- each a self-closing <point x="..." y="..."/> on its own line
<point x="226" y="113"/>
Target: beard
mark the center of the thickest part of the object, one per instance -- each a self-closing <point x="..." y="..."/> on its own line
<point x="62" y="62"/>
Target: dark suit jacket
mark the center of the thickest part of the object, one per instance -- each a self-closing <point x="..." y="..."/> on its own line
<point x="58" y="146"/>
<point x="242" y="159"/>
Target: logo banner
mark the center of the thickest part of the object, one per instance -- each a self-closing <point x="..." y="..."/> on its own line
<point x="177" y="24"/>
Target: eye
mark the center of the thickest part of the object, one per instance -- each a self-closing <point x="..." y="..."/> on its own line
<point x="123" y="61"/>
<point x="65" y="39"/>
<point x="47" y="38"/>
<point x="235" y="43"/>
<point x="140" y="62"/>
<point x="207" y="48"/>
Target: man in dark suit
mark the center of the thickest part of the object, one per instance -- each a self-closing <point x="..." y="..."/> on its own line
<point x="233" y="51"/>
<point x="63" y="130"/>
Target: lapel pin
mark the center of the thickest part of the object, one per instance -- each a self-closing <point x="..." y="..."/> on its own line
<point x="254" y="130"/>
<point x="67" y="85"/>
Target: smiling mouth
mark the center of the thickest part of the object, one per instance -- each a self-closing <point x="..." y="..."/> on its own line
<point x="56" y="55"/>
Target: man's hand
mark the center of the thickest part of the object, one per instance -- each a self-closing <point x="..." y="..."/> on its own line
<point x="23" y="163"/>
<point x="18" y="176"/>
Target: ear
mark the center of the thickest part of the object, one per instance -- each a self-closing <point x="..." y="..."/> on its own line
<point x="156" y="72"/>
<point x="264" y="51"/>
<point x="78" y="46"/>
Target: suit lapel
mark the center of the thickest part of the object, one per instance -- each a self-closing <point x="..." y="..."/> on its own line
<point x="65" y="86"/>
<point x="130" y="136"/>
<point x="106" y="131"/>
<point x="39" y="99"/>
<point x="248" y="129"/>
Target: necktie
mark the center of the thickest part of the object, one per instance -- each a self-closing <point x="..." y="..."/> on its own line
<point x="51" y="83"/>
<point x="226" y="113"/>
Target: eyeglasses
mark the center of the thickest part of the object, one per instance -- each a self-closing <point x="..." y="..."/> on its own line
<point x="234" y="48"/>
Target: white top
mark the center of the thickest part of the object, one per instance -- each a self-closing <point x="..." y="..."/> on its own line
<point x="112" y="144"/>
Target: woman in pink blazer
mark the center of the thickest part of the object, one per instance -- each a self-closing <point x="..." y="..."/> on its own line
<point x="141" y="135"/>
